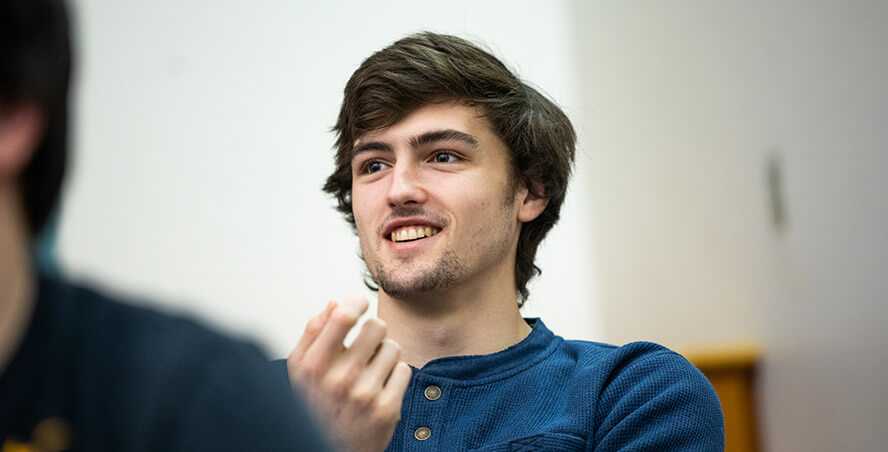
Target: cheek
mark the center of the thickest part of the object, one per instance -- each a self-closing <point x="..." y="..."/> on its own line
<point x="362" y="205"/>
<point x="468" y="192"/>
<point x="485" y="199"/>
<point x="365" y="228"/>
<point x="480" y="213"/>
<point x="362" y="225"/>
<point x="366" y="243"/>
<point x="368" y="218"/>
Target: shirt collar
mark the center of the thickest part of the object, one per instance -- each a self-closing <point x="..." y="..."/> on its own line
<point x="477" y="369"/>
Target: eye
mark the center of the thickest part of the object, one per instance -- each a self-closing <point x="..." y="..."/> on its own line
<point x="373" y="166"/>
<point x="445" y="157"/>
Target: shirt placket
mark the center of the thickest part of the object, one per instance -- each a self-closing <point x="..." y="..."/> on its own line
<point x="424" y="430"/>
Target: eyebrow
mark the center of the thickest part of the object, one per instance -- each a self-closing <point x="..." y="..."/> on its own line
<point x="443" y="135"/>
<point x="370" y="146"/>
<point x="433" y="136"/>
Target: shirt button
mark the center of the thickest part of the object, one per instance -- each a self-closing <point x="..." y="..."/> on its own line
<point x="432" y="392"/>
<point x="422" y="433"/>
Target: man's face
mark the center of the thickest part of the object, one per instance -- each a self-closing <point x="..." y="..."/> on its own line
<point x="434" y="202"/>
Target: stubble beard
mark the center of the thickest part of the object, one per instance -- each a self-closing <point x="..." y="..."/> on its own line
<point x="446" y="272"/>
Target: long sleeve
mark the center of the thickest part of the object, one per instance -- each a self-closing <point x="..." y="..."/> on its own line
<point x="658" y="402"/>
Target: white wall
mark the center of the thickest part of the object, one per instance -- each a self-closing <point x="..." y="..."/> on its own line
<point x="202" y="142"/>
<point x="685" y="102"/>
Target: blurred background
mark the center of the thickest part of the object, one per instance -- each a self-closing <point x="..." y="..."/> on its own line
<point x="729" y="192"/>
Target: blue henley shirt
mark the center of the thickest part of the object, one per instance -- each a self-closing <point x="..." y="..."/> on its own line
<point x="547" y="393"/>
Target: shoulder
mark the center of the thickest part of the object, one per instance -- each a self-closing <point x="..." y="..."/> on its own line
<point x="649" y="398"/>
<point x="636" y="358"/>
<point x="89" y="305"/>
<point x="638" y="367"/>
<point x="123" y="337"/>
<point x="197" y="388"/>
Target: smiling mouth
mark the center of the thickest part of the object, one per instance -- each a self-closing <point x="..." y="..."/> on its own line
<point x="412" y="233"/>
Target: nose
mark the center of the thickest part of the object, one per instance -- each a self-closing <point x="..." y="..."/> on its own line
<point x="406" y="185"/>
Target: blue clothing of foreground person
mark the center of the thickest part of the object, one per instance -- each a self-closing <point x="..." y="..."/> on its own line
<point x="95" y="374"/>
<point x="80" y="371"/>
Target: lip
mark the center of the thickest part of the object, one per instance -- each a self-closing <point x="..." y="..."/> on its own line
<point x="408" y="221"/>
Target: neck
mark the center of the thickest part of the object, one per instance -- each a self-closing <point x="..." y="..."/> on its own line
<point x="15" y="275"/>
<point x="476" y="318"/>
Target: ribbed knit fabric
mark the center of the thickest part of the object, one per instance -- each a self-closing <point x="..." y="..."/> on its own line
<point x="550" y="394"/>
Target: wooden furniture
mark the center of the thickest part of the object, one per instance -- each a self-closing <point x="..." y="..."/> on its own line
<point x="732" y="371"/>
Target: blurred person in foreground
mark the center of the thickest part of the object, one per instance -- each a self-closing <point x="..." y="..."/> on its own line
<point x="452" y="171"/>
<point x="80" y="370"/>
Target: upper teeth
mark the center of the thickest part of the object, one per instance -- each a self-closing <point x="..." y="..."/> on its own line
<point x="413" y="233"/>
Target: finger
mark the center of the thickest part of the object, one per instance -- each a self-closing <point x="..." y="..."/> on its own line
<point x="367" y="342"/>
<point x="393" y="393"/>
<point x="328" y="345"/>
<point x="380" y="367"/>
<point x="312" y="329"/>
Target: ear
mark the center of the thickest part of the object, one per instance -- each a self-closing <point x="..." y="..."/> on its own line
<point x="533" y="201"/>
<point x="20" y="130"/>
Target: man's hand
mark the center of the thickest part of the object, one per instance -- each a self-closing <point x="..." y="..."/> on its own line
<point x="357" y="390"/>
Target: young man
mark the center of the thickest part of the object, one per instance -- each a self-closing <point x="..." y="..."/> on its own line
<point x="80" y="371"/>
<point x="452" y="171"/>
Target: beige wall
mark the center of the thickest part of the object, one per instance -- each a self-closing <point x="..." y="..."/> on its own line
<point x="685" y="103"/>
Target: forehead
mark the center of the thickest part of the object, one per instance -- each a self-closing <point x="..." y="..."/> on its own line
<point x="451" y="115"/>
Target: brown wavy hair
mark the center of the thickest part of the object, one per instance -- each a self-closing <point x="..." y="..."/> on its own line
<point x="426" y="68"/>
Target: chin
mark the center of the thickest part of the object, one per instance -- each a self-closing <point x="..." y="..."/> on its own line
<point x="411" y="279"/>
<point x="411" y="287"/>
